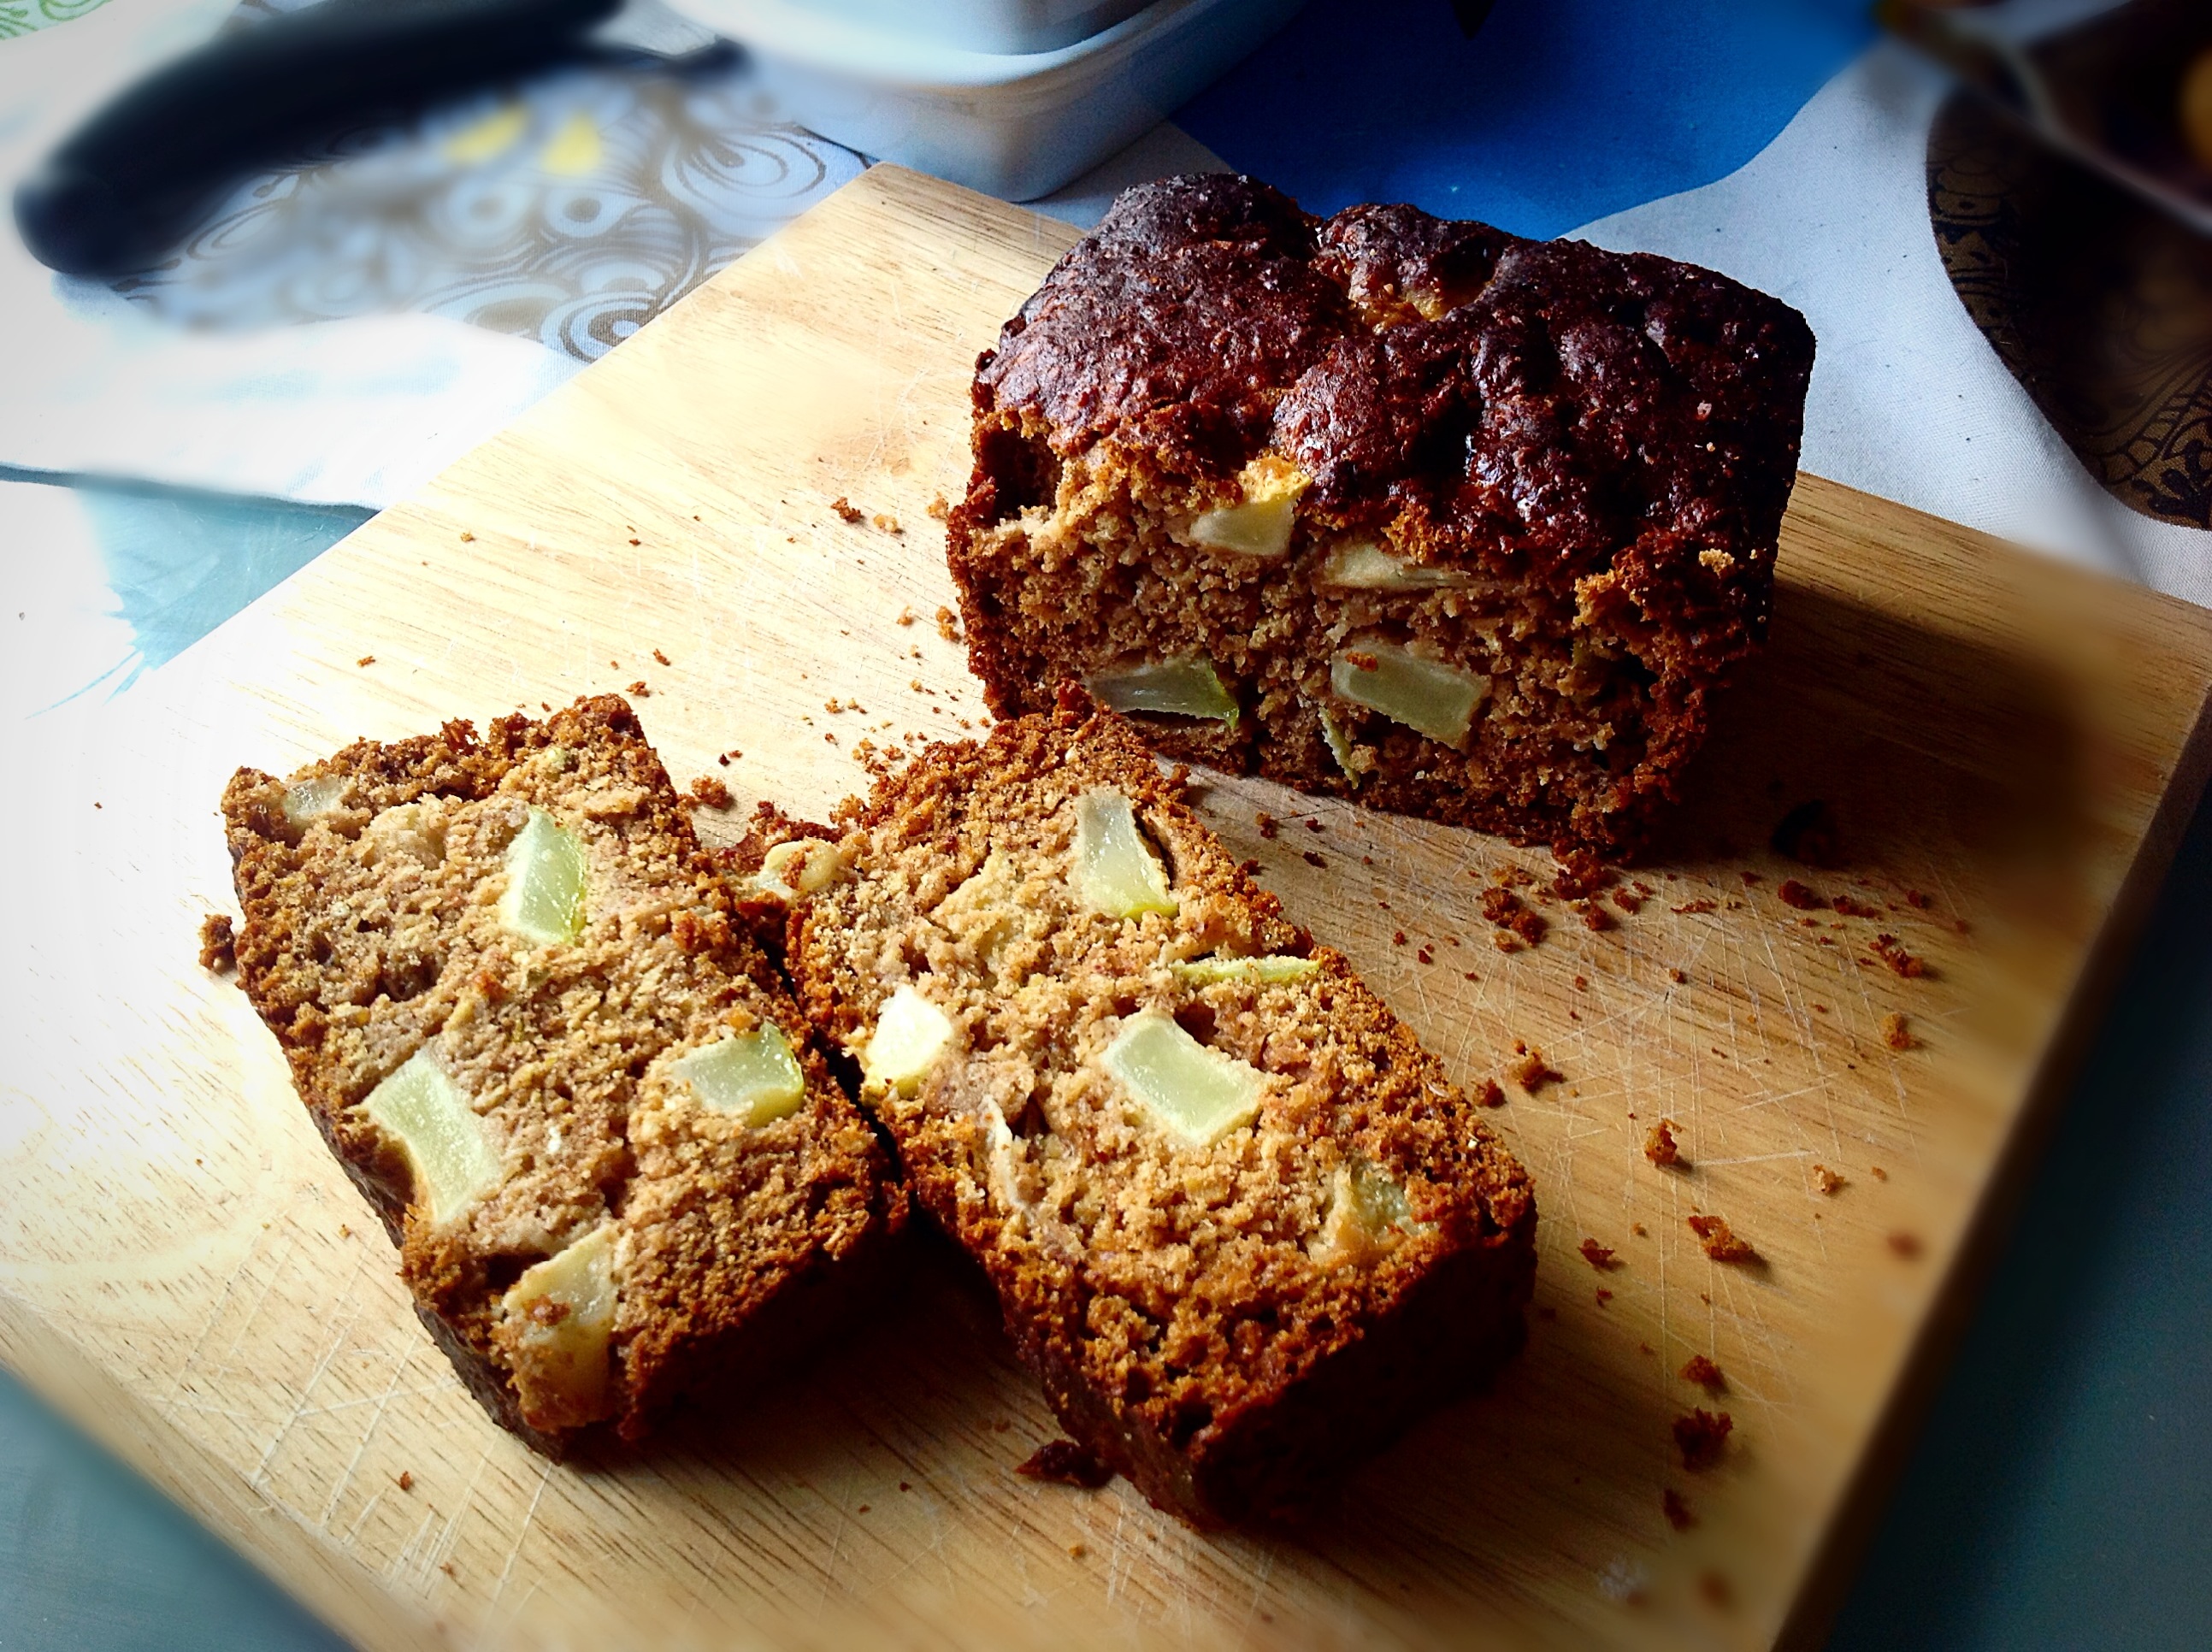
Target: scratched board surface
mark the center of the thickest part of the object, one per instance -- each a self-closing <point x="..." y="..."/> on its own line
<point x="1851" y="1053"/>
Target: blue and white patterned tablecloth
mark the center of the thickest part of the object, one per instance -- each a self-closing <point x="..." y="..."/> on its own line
<point x="244" y="408"/>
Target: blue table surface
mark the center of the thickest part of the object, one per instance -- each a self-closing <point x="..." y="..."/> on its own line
<point x="2061" y="1492"/>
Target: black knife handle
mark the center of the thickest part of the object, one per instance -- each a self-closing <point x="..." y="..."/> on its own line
<point x="121" y="189"/>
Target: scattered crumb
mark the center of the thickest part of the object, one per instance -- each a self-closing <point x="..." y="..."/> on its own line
<point x="1698" y="906"/>
<point x="1720" y="1241"/>
<point x="637" y="541"/>
<point x="1626" y="902"/>
<point x="1504" y="941"/>
<point x="1915" y="899"/>
<point x="1637" y="1227"/>
<point x="366" y="660"/>
<point x="887" y="524"/>
<point x="1700" y="1435"/>
<point x="1531" y="1071"/>
<point x="406" y="1481"/>
<point x="1715" y="1588"/>
<point x="1313" y="825"/>
<point x="1877" y="1173"/>
<point x="1603" y="1296"/>
<point x="1503" y="908"/>
<point x="937" y="508"/>
<point x="1598" y="1256"/>
<point x="1851" y="909"/>
<point x="903" y="1486"/>
<point x="1581" y="875"/>
<point x="906" y="615"/>
<point x="709" y="792"/>
<point x="466" y="536"/>
<point x="1076" y="1551"/>
<point x="1647" y="1350"/>
<point x="1426" y="956"/>
<point x="1792" y="893"/>
<point x="345" y="1229"/>
<point x="1397" y="937"/>
<point x="1489" y="1092"/>
<point x="1677" y="977"/>
<point x="1904" y="1244"/>
<point x="1706" y="1375"/>
<point x="1268" y="824"/>
<point x="1826" y="1180"/>
<point x="662" y="658"/>
<point x="1677" y="1511"/>
<point x="447" y="1567"/>
<point x="846" y="509"/>
<point x="1659" y="1147"/>
<point x="1900" y="962"/>
<point x="640" y="690"/>
<point x="1581" y="983"/>
<point x="1065" y="1463"/>
<point x="1311" y="858"/>
<point x="862" y="1509"/>
<point x="1896" y="1034"/>
<point x="218" y="944"/>
<point x="1595" y="916"/>
<point x="948" y="625"/>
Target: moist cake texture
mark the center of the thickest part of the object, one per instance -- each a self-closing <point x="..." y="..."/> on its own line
<point x="513" y="997"/>
<point x="1238" y="1220"/>
<point x="1385" y="506"/>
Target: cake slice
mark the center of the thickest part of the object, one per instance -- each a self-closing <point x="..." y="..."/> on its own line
<point x="1383" y="506"/>
<point x="1238" y="1220"/>
<point x="508" y="983"/>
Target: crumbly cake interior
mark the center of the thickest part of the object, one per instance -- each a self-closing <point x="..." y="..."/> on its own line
<point x="376" y="935"/>
<point x="1177" y="1294"/>
<point x="1384" y="506"/>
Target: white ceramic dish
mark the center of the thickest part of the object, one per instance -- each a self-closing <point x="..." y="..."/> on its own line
<point x="1017" y="125"/>
<point x="1012" y="27"/>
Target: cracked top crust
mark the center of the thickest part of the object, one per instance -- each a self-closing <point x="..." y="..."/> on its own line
<point x="1520" y="407"/>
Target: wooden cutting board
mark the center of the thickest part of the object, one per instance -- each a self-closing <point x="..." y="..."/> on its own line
<point x="2006" y="749"/>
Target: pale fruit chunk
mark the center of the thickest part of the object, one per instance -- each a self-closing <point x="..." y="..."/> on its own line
<point x="305" y="799"/>
<point x="1362" y="565"/>
<point x="545" y="898"/>
<point x="751" y="1076"/>
<point x="805" y="865"/>
<point x="1190" y="687"/>
<point x="1267" y="972"/>
<point x="910" y="1033"/>
<point x="419" y="1108"/>
<point x="557" y="1321"/>
<point x="1115" y="871"/>
<point x="1426" y="695"/>
<point x="1339" y="744"/>
<point x="1195" y="1095"/>
<point x="1260" y="524"/>
<point x="1368" y="1215"/>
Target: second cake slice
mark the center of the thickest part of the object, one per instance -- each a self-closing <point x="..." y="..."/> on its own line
<point x="1238" y="1220"/>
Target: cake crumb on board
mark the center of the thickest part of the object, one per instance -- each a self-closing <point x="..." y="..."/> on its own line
<point x="1825" y="1180"/>
<point x="1659" y="1146"/>
<point x="1706" y="1375"/>
<point x="1063" y="1462"/>
<point x="1598" y="1256"/>
<point x="218" y="944"/>
<point x="1701" y="1435"/>
<point x="1722" y="1242"/>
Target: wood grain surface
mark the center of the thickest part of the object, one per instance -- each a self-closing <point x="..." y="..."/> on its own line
<point x="2006" y="748"/>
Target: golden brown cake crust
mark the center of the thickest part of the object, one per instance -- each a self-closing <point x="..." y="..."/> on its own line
<point x="1597" y="446"/>
<point x="1211" y="1320"/>
<point x="369" y="935"/>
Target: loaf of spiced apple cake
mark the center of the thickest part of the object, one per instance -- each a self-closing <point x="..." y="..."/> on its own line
<point x="509" y="985"/>
<point x="1237" y="1219"/>
<point x="1406" y="510"/>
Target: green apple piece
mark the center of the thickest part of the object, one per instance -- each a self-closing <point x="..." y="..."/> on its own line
<point x="1426" y="695"/>
<point x="805" y="866"/>
<point x="545" y="898"/>
<point x="1368" y="1214"/>
<point x="1115" y="871"/>
<point x="419" y="1106"/>
<point x="558" y="1318"/>
<point x="305" y="799"/>
<point x="753" y="1076"/>
<point x="1196" y="1095"/>
<point x="1265" y="972"/>
<point x="1362" y="565"/>
<point x="910" y="1033"/>
<point x="1339" y="744"/>
<point x="1258" y="524"/>
<point x="1190" y="687"/>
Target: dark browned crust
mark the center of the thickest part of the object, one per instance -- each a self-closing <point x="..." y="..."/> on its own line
<point x="1613" y="436"/>
<point x="719" y="1320"/>
<point x="1290" y="1375"/>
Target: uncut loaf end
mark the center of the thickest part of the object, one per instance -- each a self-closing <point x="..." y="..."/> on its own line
<point x="1384" y="506"/>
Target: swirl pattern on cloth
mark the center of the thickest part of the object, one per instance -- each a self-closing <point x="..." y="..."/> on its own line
<point x="571" y="210"/>
<point x="2100" y="304"/>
